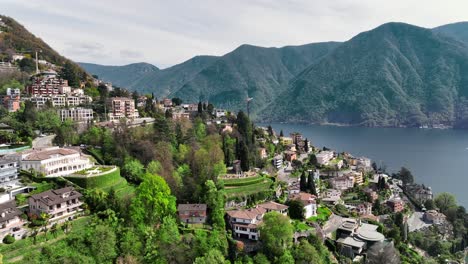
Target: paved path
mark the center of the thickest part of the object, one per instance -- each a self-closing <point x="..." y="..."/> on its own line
<point x="41" y="142"/>
<point x="332" y="224"/>
<point x="416" y="222"/>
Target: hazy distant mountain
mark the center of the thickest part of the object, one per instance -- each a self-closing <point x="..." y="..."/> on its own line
<point x="396" y="74"/>
<point x="456" y="30"/>
<point x="250" y="71"/>
<point x="122" y="76"/>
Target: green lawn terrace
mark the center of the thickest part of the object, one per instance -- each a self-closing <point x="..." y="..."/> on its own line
<point x="256" y="186"/>
<point x="102" y="177"/>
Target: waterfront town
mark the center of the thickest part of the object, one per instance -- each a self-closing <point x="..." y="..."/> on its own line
<point x="92" y="173"/>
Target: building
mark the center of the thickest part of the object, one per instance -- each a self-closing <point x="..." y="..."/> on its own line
<point x="12" y="100"/>
<point x="357" y="175"/>
<point x="192" y="213"/>
<point x="58" y="204"/>
<point x="296" y="137"/>
<point x="342" y="182"/>
<point x="60" y="100"/>
<point x="434" y="217"/>
<point x="278" y="161"/>
<point x="419" y="192"/>
<point x="364" y="209"/>
<point x="308" y="201"/>
<point x="373" y="196"/>
<point x="286" y="141"/>
<point x="48" y="86"/>
<point x="121" y="107"/>
<point x="78" y="114"/>
<point x="167" y="102"/>
<point x="8" y="171"/>
<point x="396" y="205"/>
<point x="219" y="113"/>
<point x="290" y="155"/>
<point x="54" y="161"/>
<point x="10" y="220"/>
<point x="244" y="223"/>
<point x="324" y="157"/>
<point x="354" y="237"/>
<point x="331" y="196"/>
<point x="263" y="153"/>
<point x="180" y="114"/>
<point x="274" y="207"/>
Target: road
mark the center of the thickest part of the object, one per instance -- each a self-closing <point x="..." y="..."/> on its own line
<point x="285" y="172"/>
<point x="41" y="142"/>
<point x="332" y="224"/>
<point x="416" y="222"/>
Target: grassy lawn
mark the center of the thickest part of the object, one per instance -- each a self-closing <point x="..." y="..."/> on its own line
<point x="14" y="252"/>
<point x="249" y="189"/>
<point x="242" y="181"/>
<point x="301" y="226"/>
<point x="323" y="213"/>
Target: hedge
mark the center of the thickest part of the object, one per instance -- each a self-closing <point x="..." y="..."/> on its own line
<point x="244" y="182"/>
<point x="102" y="181"/>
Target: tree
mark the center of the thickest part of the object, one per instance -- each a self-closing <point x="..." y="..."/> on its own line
<point x="445" y="201"/>
<point x="215" y="202"/>
<point x="277" y="232"/>
<point x="296" y="209"/>
<point x="211" y="257"/>
<point x="153" y="201"/>
<point x="244" y="126"/>
<point x="306" y="253"/>
<point x="405" y="176"/>
<point x="270" y="130"/>
<point x="260" y="258"/>
<point x="154" y="167"/>
<point x="303" y="182"/>
<point x="313" y="160"/>
<point x="70" y="73"/>
<point x="281" y="133"/>
<point x="200" y="108"/>
<point x="244" y="156"/>
<point x="286" y="258"/>
<point x="311" y="184"/>
<point x="133" y="170"/>
<point x="306" y="145"/>
<point x="8" y="239"/>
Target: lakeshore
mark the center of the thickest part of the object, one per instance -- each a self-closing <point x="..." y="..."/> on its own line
<point x="437" y="157"/>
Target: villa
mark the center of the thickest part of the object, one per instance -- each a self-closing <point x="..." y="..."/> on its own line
<point x="58" y="204"/>
<point x="324" y="157"/>
<point x="192" y="213"/>
<point x="10" y="220"/>
<point x="274" y="207"/>
<point x="244" y="223"/>
<point x="308" y="201"/>
<point x="8" y="171"/>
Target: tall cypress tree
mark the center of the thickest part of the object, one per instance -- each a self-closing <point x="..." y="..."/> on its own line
<point x="311" y="184"/>
<point x="303" y="182"/>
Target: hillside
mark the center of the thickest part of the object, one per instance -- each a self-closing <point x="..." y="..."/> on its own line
<point x="456" y="30"/>
<point x="394" y="75"/>
<point x="122" y="76"/>
<point x="14" y="37"/>
<point x="252" y="71"/>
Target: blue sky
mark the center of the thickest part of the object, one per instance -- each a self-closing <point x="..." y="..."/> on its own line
<point x="166" y="33"/>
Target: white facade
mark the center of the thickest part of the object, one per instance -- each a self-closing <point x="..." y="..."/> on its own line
<point x="76" y="114"/>
<point x="324" y="157"/>
<point x="60" y="100"/>
<point x="55" y="161"/>
<point x="342" y="183"/>
<point x="310" y="210"/>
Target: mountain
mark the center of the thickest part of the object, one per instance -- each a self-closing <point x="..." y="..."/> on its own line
<point x="252" y="71"/>
<point x="122" y="76"/>
<point x="394" y="75"/>
<point x="456" y="30"/>
<point x="14" y="38"/>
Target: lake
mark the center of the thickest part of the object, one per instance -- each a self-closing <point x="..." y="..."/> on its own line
<point x="436" y="157"/>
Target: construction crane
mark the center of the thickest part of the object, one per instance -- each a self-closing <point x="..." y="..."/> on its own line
<point x="248" y="105"/>
<point x="37" y="61"/>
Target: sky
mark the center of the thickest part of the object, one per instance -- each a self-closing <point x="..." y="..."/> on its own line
<point x="165" y="33"/>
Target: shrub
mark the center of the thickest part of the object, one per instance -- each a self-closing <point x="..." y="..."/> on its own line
<point x="8" y="239"/>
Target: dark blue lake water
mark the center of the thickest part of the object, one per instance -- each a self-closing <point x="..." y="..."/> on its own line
<point x="437" y="158"/>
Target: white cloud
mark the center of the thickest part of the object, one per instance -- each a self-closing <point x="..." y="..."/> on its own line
<point x="168" y="32"/>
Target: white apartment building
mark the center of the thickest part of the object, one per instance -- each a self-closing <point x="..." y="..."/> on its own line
<point x="76" y="114"/>
<point x="60" y="100"/>
<point x="54" y="161"/>
<point x="342" y="183"/>
<point x="244" y="223"/>
<point x="324" y="157"/>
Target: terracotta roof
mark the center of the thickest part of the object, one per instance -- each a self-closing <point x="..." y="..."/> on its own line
<point x="47" y="154"/>
<point x="273" y="206"/>
<point x="191" y="207"/>
<point x="305" y="198"/>
<point x="251" y="213"/>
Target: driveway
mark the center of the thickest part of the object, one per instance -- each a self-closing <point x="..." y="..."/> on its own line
<point x="332" y="225"/>
<point x="416" y="222"/>
<point x="41" y="142"/>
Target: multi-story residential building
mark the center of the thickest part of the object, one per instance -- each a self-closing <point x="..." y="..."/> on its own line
<point x="274" y="207"/>
<point x="278" y="161"/>
<point x="121" y="107"/>
<point x="373" y="196"/>
<point x="60" y="100"/>
<point x="308" y="201"/>
<point x="419" y="192"/>
<point x="167" y="102"/>
<point x="296" y="137"/>
<point x="290" y="155"/>
<point x="396" y="205"/>
<point x="8" y="171"/>
<point x="357" y="175"/>
<point x="220" y="113"/>
<point x="54" y="161"/>
<point x="58" y="204"/>
<point x="192" y="213"/>
<point x="342" y="182"/>
<point x="435" y="217"/>
<point x="12" y="100"/>
<point x="244" y="223"/>
<point x="286" y="141"/>
<point x="364" y="209"/>
<point x="48" y="86"/>
<point x="324" y="157"/>
<point x="76" y="114"/>
<point x="10" y="220"/>
<point x="331" y="196"/>
<point x="180" y="114"/>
